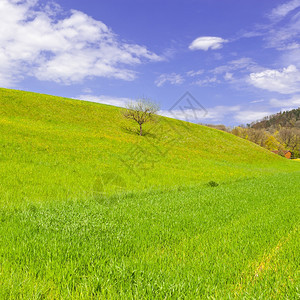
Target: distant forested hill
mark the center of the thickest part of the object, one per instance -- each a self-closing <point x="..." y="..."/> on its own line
<point x="283" y="119"/>
<point x="279" y="132"/>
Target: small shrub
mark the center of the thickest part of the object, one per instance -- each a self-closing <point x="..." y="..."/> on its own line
<point x="212" y="184"/>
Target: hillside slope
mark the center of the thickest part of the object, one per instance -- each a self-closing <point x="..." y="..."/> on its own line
<point x="91" y="210"/>
<point x="58" y="148"/>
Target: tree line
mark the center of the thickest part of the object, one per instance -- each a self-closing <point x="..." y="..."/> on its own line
<point x="279" y="132"/>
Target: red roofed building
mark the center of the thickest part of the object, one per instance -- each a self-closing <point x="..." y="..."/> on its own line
<point x="286" y="153"/>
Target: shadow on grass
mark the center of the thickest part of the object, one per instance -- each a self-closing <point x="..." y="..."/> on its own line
<point x="135" y="131"/>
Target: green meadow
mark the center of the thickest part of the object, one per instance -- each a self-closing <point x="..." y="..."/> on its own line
<point x="91" y="210"/>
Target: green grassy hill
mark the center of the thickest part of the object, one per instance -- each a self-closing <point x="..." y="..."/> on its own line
<point x="56" y="148"/>
<point x="89" y="209"/>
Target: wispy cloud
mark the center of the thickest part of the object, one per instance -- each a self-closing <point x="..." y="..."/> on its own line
<point x="213" y="114"/>
<point x="220" y="114"/>
<point x="257" y="101"/>
<point x="284" y="36"/>
<point x="248" y="116"/>
<point x="283" y="29"/>
<point x="207" y="81"/>
<point x="104" y="99"/>
<point x="235" y="114"/>
<point x="193" y="73"/>
<point x="291" y="57"/>
<point x="282" y="10"/>
<point x="293" y="102"/>
<point x="234" y="72"/>
<point x="244" y="64"/>
<point x="171" y="78"/>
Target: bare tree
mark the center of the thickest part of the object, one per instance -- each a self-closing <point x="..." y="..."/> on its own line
<point x="141" y="111"/>
<point x="290" y="137"/>
<point x="287" y="137"/>
<point x="257" y="136"/>
<point x="240" y="132"/>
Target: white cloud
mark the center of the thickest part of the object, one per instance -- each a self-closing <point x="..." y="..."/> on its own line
<point x="194" y="73"/>
<point x="52" y="8"/>
<point x="223" y="114"/>
<point x="116" y="101"/>
<point x="293" y="102"/>
<point x="283" y="29"/>
<point x="248" y="116"/>
<point x="218" y="113"/>
<point x="244" y="64"/>
<point x="207" y="81"/>
<point x="257" y="101"/>
<point x="291" y="46"/>
<point x="87" y="91"/>
<point x="217" y="56"/>
<point x="285" y="81"/>
<point x="282" y="10"/>
<point x="234" y="72"/>
<point x="228" y="76"/>
<point x="285" y="36"/>
<point x="291" y="58"/>
<point x="69" y="49"/>
<point x="190" y="115"/>
<point x="172" y="78"/>
<point x="213" y="114"/>
<point x="207" y="42"/>
<point x="283" y="32"/>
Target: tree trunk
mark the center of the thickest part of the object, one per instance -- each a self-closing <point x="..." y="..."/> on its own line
<point x="141" y="132"/>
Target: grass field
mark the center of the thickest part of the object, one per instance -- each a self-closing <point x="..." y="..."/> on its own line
<point x="88" y="208"/>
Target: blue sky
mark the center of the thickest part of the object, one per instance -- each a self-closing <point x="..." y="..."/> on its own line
<point x="239" y="59"/>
